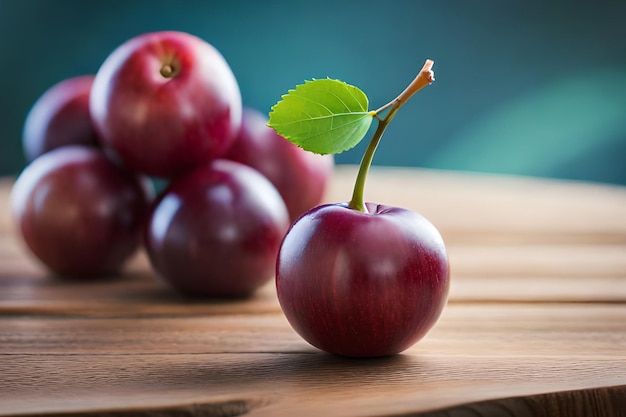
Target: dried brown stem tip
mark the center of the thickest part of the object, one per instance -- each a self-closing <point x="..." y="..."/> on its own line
<point x="424" y="78"/>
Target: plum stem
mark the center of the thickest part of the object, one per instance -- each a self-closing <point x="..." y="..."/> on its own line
<point x="170" y="67"/>
<point x="167" y="71"/>
<point x="423" y="78"/>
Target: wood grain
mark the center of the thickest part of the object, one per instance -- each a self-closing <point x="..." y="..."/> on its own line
<point x="535" y="324"/>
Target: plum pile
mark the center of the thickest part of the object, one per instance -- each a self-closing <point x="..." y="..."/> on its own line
<point x="167" y="106"/>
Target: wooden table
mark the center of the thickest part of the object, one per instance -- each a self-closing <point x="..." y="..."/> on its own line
<point x="535" y="325"/>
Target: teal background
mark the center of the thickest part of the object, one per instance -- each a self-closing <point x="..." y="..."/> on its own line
<point x="522" y="87"/>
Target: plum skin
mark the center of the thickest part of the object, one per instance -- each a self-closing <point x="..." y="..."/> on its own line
<point x="362" y="284"/>
<point x="60" y="117"/>
<point x="215" y="231"/>
<point x="78" y="213"/>
<point x="163" y="124"/>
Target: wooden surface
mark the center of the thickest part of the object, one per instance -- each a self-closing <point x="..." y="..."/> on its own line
<point x="535" y="325"/>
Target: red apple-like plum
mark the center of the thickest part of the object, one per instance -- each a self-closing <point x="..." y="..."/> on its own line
<point x="60" y="117"/>
<point x="164" y="102"/>
<point x="301" y="177"/>
<point x="215" y="231"/>
<point x="78" y="213"/>
<point x="362" y="284"/>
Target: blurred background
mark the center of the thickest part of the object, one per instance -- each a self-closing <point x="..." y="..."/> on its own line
<point x="533" y="88"/>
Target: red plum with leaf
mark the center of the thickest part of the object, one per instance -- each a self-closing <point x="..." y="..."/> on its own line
<point x="356" y="279"/>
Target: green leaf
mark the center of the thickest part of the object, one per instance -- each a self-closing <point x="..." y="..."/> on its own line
<point x="322" y="116"/>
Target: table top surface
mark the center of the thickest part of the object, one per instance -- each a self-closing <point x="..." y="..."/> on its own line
<point x="535" y="323"/>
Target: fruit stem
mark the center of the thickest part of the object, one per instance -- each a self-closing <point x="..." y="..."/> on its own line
<point x="423" y="78"/>
<point x="167" y="71"/>
<point x="170" y="68"/>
